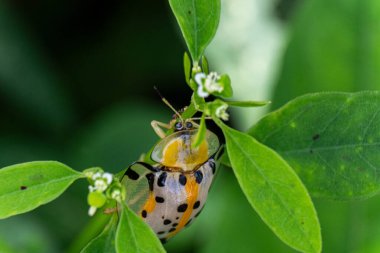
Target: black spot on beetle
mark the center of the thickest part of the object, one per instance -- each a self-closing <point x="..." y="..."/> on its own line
<point x="182" y="179"/>
<point x="160" y="199"/>
<point x="150" y="178"/>
<point x="144" y="213"/>
<point x="161" y="232"/>
<point x="212" y="165"/>
<point x="131" y="174"/>
<point x="162" y="179"/>
<point x="172" y="230"/>
<point x="23" y="187"/>
<point x="177" y="218"/>
<point x="182" y="208"/>
<point x="316" y="137"/>
<point x="196" y="204"/>
<point x="198" y="176"/>
<point x="167" y="222"/>
<point x="174" y="225"/>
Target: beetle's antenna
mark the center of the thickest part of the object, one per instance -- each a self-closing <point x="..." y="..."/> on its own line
<point x="167" y="103"/>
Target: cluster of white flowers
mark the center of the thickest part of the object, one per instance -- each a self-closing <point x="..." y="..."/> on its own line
<point x="208" y="84"/>
<point x="101" y="181"/>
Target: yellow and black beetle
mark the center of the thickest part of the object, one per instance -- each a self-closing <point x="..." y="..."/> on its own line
<point x="171" y="193"/>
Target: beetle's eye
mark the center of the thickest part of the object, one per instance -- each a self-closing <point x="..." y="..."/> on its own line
<point x="189" y="125"/>
<point x="178" y="126"/>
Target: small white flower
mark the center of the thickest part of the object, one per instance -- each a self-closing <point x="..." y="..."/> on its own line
<point x="211" y="83"/>
<point x="201" y="92"/>
<point x="92" y="210"/>
<point x="100" y="185"/>
<point x="116" y="195"/>
<point x="96" y="198"/>
<point x="101" y="181"/>
<point x="107" y="176"/>
<point x="221" y="112"/>
<point x="96" y="176"/>
<point x="199" y="79"/>
<point x="208" y="84"/>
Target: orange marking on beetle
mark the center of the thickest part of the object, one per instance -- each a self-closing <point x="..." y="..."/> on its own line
<point x="150" y="204"/>
<point x="171" y="152"/>
<point x="191" y="189"/>
<point x="198" y="155"/>
<point x="179" y="154"/>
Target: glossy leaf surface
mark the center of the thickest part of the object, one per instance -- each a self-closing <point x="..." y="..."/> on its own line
<point x="331" y="140"/>
<point x="274" y="191"/>
<point x="26" y="186"/>
<point x="198" y="20"/>
<point x="133" y="235"/>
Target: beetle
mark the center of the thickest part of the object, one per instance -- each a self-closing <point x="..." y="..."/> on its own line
<point x="170" y="194"/>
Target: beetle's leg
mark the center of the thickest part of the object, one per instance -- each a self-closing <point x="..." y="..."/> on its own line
<point x="199" y="118"/>
<point x="156" y="125"/>
<point x="195" y="124"/>
<point x="111" y="210"/>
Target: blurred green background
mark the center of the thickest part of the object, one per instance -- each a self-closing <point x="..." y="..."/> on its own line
<point x="76" y="85"/>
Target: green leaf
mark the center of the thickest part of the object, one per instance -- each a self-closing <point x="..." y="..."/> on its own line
<point x="93" y="228"/>
<point x="198" y="20"/>
<point x="331" y="140"/>
<point x="227" y="88"/>
<point x="205" y="67"/>
<point x="250" y="234"/>
<point x="224" y="160"/>
<point x="133" y="235"/>
<point x="189" y="111"/>
<point x="198" y="102"/>
<point x="349" y="63"/>
<point x="105" y="241"/>
<point x="248" y="103"/>
<point x="187" y="67"/>
<point x="193" y="85"/>
<point x="25" y="186"/>
<point x="274" y="191"/>
<point x="201" y="133"/>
